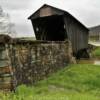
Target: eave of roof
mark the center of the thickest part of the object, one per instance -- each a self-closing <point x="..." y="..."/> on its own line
<point x="60" y="10"/>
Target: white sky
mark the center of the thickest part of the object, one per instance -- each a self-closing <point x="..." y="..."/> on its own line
<point x="86" y="11"/>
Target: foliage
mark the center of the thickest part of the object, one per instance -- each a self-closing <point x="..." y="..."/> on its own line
<point x="75" y="82"/>
<point x="6" y="27"/>
<point x="96" y="52"/>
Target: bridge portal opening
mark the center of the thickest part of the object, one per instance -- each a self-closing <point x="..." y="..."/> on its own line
<point x="50" y="28"/>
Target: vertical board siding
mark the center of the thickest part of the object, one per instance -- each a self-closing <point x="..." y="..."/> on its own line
<point x="77" y="34"/>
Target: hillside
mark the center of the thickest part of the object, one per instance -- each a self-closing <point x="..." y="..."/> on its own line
<point x="94" y="30"/>
<point x="26" y="38"/>
<point x="75" y="82"/>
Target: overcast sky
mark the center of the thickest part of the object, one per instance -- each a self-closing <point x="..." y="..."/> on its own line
<point x="86" y="11"/>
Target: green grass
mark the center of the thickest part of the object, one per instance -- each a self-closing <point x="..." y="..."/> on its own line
<point x="96" y="52"/>
<point x="75" y="82"/>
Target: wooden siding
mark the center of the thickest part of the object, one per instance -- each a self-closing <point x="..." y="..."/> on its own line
<point x="77" y="34"/>
<point x="46" y="11"/>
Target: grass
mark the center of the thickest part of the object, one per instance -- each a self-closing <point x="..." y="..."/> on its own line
<point x="75" y="82"/>
<point x="96" y="52"/>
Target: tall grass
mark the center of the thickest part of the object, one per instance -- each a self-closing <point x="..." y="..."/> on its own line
<point x="75" y="82"/>
<point x="96" y="52"/>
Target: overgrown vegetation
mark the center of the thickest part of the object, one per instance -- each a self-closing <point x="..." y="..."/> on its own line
<point x="96" y="52"/>
<point x="76" y="82"/>
<point x="93" y="38"/>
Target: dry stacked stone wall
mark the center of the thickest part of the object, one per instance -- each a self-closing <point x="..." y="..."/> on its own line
<point x="34" y="61"/>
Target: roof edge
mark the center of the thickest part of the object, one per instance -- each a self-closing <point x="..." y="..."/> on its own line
<point x="38" y="10"/>
<point x="60" y="10"/>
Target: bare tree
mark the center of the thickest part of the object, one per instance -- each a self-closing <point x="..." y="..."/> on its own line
<point x="6" y="27"/>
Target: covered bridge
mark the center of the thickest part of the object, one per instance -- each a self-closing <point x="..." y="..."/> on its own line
<point x="53" y="24"/>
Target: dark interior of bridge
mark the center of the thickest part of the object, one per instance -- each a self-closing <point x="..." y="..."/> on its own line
<point x="50" y="28"/>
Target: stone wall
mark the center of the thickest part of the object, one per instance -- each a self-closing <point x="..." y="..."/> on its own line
<point x="34" y="61"/>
